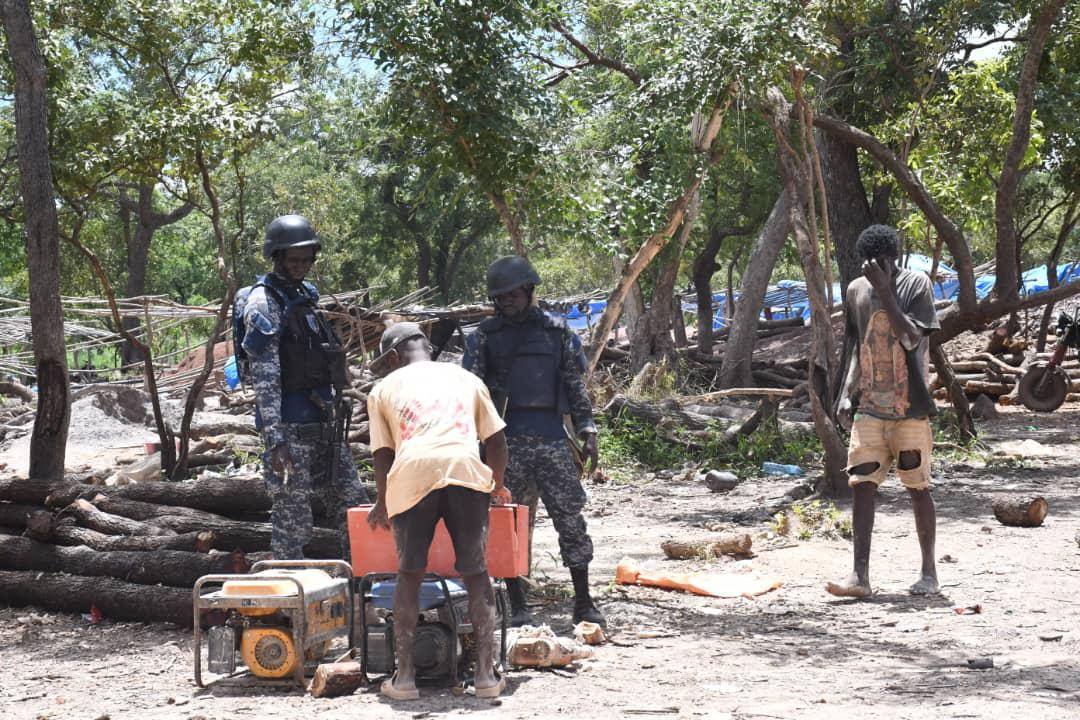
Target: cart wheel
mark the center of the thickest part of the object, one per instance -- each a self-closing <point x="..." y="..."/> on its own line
<point x="1043" y="388"/>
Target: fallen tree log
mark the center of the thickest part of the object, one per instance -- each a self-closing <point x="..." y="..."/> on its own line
<point x="213" y="493"/>
<point x="28" y="491"/>
<point x="228" y="534"/>
<point x="1002" y="366"/>
<point x="89" y="516"/>
<point x="994" y="389"/>
<point x="167" y="567"/>
<point x="18" y="390"/>
<point x="735" y="544"/>
<point x="1020" y="511"/>
<point x="217" y="458"/>
<point x="336" y="679"/>
<point x="15" y="515"/>
<point x="223" y="427"/>
<point x="150" y="512"/>
<point x="776" y="379"/>
<point x="115" y="599"/>
<point x="69" y="534"/>
<point x="656" y="415"/>
<point x="254" y="536"/>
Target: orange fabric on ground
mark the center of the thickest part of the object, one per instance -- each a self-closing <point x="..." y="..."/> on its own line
<point x="723" y="585"/>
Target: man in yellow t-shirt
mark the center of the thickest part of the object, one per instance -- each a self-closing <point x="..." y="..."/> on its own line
<point x="426" y="419"/>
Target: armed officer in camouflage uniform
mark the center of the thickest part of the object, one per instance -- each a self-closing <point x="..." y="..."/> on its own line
<point x="533" y="365"/>
<point x="297" y="367"/>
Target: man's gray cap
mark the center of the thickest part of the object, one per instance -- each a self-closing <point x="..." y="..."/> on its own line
<point x="398" y="334"/>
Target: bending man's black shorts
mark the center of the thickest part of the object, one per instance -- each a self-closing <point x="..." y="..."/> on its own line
<point x="465" y="513"/>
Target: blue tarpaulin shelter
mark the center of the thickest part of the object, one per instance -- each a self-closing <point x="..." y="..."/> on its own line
<point x="788" y="298"/>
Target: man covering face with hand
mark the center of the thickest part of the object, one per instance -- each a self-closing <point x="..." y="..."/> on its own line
<point x="885" y="399"/>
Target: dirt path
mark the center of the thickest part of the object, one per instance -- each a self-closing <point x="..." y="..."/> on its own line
<point x="793" y="653"/>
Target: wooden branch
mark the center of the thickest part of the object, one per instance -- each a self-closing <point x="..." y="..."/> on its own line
<point x="595" y="59"/>
<point x="736" y="544"/>
<point x="737" y="392"/>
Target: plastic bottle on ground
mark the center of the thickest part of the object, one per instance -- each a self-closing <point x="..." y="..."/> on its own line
<point x="771" y="468"/>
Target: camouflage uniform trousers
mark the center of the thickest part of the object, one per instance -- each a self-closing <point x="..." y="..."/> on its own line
<point x="541" y="468"/>
<point x="291" y="518"/>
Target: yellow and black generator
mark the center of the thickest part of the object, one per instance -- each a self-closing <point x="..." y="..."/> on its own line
<point x="279" y="617"/>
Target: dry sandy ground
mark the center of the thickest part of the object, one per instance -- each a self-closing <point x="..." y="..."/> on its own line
<point x="793" y="653"/>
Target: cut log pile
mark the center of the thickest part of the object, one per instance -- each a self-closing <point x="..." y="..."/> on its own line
<point x="996" y="371"/>
<point x="133" y="551"/>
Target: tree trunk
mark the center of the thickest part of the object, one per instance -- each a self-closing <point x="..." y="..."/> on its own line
<point x="964" y="422"/>
<point x="678" y="322"/>
<point x="742" y="336"/>
<point x="179" y="471"/>
<point x="1020" y="511"/>
<point x="1067" y="225"/>
<point x="634" y="307"/>
<point x="115" y="599"/>
<point x="1007" y="284"/>
<point x="656" y="242"/>
<point x="511" y="221"/>
<point x="167" y="567"/>
<point x="849" y="211"/>
<point x="49" y="439"/>
<point x="652" y="338"/>
<point x="704" y="266"/>
<point x="138" y="250"/>
<point x="795" y="171"/>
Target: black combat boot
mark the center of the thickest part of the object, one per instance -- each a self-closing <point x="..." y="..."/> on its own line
<point x="584" y="610"/>
<point x="519" y="613"/>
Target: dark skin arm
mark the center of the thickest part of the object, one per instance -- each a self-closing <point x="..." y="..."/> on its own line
<point x="382" y="460"/>
<point x="495" y="455"/>
<point x="880" y="273"/>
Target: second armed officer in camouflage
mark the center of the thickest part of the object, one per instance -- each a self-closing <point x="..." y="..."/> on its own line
<point x="297" y="367"/>
<point x="533" y="365"/>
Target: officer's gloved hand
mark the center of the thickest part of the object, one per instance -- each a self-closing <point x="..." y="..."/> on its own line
<point x="592" y="453"/>
<point x="281" y="460"/>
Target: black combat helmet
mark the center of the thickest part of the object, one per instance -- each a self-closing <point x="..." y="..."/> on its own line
<point x="289" y="231"/>
<point x="509" y="273"/>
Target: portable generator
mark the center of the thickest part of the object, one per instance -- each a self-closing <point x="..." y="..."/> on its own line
<point x="279" y="617"/>
<point x="443" y="645"/>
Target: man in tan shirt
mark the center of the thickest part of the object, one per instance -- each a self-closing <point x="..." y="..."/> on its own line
<point x="426" y="419"/>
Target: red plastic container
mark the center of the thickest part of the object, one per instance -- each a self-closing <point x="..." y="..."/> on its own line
<point x="373" y="551"/>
